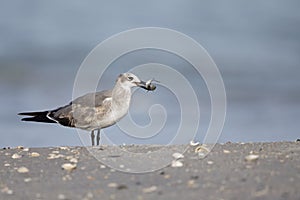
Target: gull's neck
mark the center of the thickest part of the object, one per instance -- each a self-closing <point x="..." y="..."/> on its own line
<point x="121" y="94"/>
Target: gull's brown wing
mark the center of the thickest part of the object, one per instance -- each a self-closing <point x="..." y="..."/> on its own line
<point x="80" y="112"/>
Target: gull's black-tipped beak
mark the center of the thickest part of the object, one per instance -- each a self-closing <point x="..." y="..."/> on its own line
<point x="146" y="85"/>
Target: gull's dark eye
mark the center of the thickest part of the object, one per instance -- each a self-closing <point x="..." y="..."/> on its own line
<point x="130" y="78"/>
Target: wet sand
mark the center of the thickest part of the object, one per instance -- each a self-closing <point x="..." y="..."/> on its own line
<point x="272" y="171"/>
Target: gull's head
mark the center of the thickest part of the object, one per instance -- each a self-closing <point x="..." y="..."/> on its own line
<point x="129" y="80"/>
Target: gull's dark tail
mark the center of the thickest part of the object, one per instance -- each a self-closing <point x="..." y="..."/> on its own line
<point x="37" y="117"/>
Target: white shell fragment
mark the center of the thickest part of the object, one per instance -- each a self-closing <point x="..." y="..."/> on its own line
<point x="63" y="148"/>
<point x="27" y="180"/>
<point x="102" y="166"/>
<point x="23" y="170"/>
<point x="150" y="189"/>
<point x="176" y="163"/>
<point x="74" y="160"/>
<point x="6" y="190"/>
<point x="54" y="156"/>
<point x="16" y="156"/>
<point x="112" y="185"/>
<point x="193" y="143"/>
<point x="201" y="155"/>
<point x="201" y="148"/>
<point x="210" y="162"/>
<point x="68" y="166"/>
<point x="177" y="155"/>
<point x="251" y="157"/>
<point x="226" y="151"/>
<point x="202" y="151"/>
<point x="34" y="154"/>
<point x="61" y="197"/>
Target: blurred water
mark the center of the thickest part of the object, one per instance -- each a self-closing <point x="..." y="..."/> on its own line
<point x="255" y="45"/>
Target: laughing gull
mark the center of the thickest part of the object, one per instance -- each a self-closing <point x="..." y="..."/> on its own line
<point x="94" y="111"/>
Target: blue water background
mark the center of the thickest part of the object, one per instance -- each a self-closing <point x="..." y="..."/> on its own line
<point x="255" y="44"/>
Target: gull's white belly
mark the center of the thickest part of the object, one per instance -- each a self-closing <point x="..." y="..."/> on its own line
<point x="113" y="116"/>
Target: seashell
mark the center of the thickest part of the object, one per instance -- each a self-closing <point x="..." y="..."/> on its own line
<point x="26" y="180"/>
<point x="210" y="162"/>
<point x="23" y="170"/>
<point x="176" y="163"/>
<point x="150" y="189"/>
<point x="68" y="166"/>
<point x="34" y="154"/>
<point x="16" y="156"/>
<point x="193" y="143"/>
<point x="226" y="151"/>
<point x="149" y="85"/>
<point x="251" y="157"/>
<point x="201" y="149"/>
<point x="177" y="155"/>
<point x="74" y="160"/>
<point x="112" y="185"/>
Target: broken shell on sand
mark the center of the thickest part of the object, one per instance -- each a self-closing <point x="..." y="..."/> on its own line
<point x="177" y="155"/>
<point x="16" y="156"/>
<point x="176" y="163"/>
<point x="23" y="170"/>
<point x="251" y="157"/>
<point x="34" y="154"/>
<point x="68" y="166"/>
<point x="193" y="143"/>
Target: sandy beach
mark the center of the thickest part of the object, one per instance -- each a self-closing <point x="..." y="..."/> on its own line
<point x="230" y="171"/>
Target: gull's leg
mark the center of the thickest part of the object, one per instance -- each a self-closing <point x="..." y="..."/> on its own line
<point x="98" y="137"/>
<point x="93" y="137"/>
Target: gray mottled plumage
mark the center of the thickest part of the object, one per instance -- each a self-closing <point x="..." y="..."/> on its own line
<point x="94" y="111"/>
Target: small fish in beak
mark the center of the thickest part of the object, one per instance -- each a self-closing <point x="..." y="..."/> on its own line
<point x="147" y="85"/>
